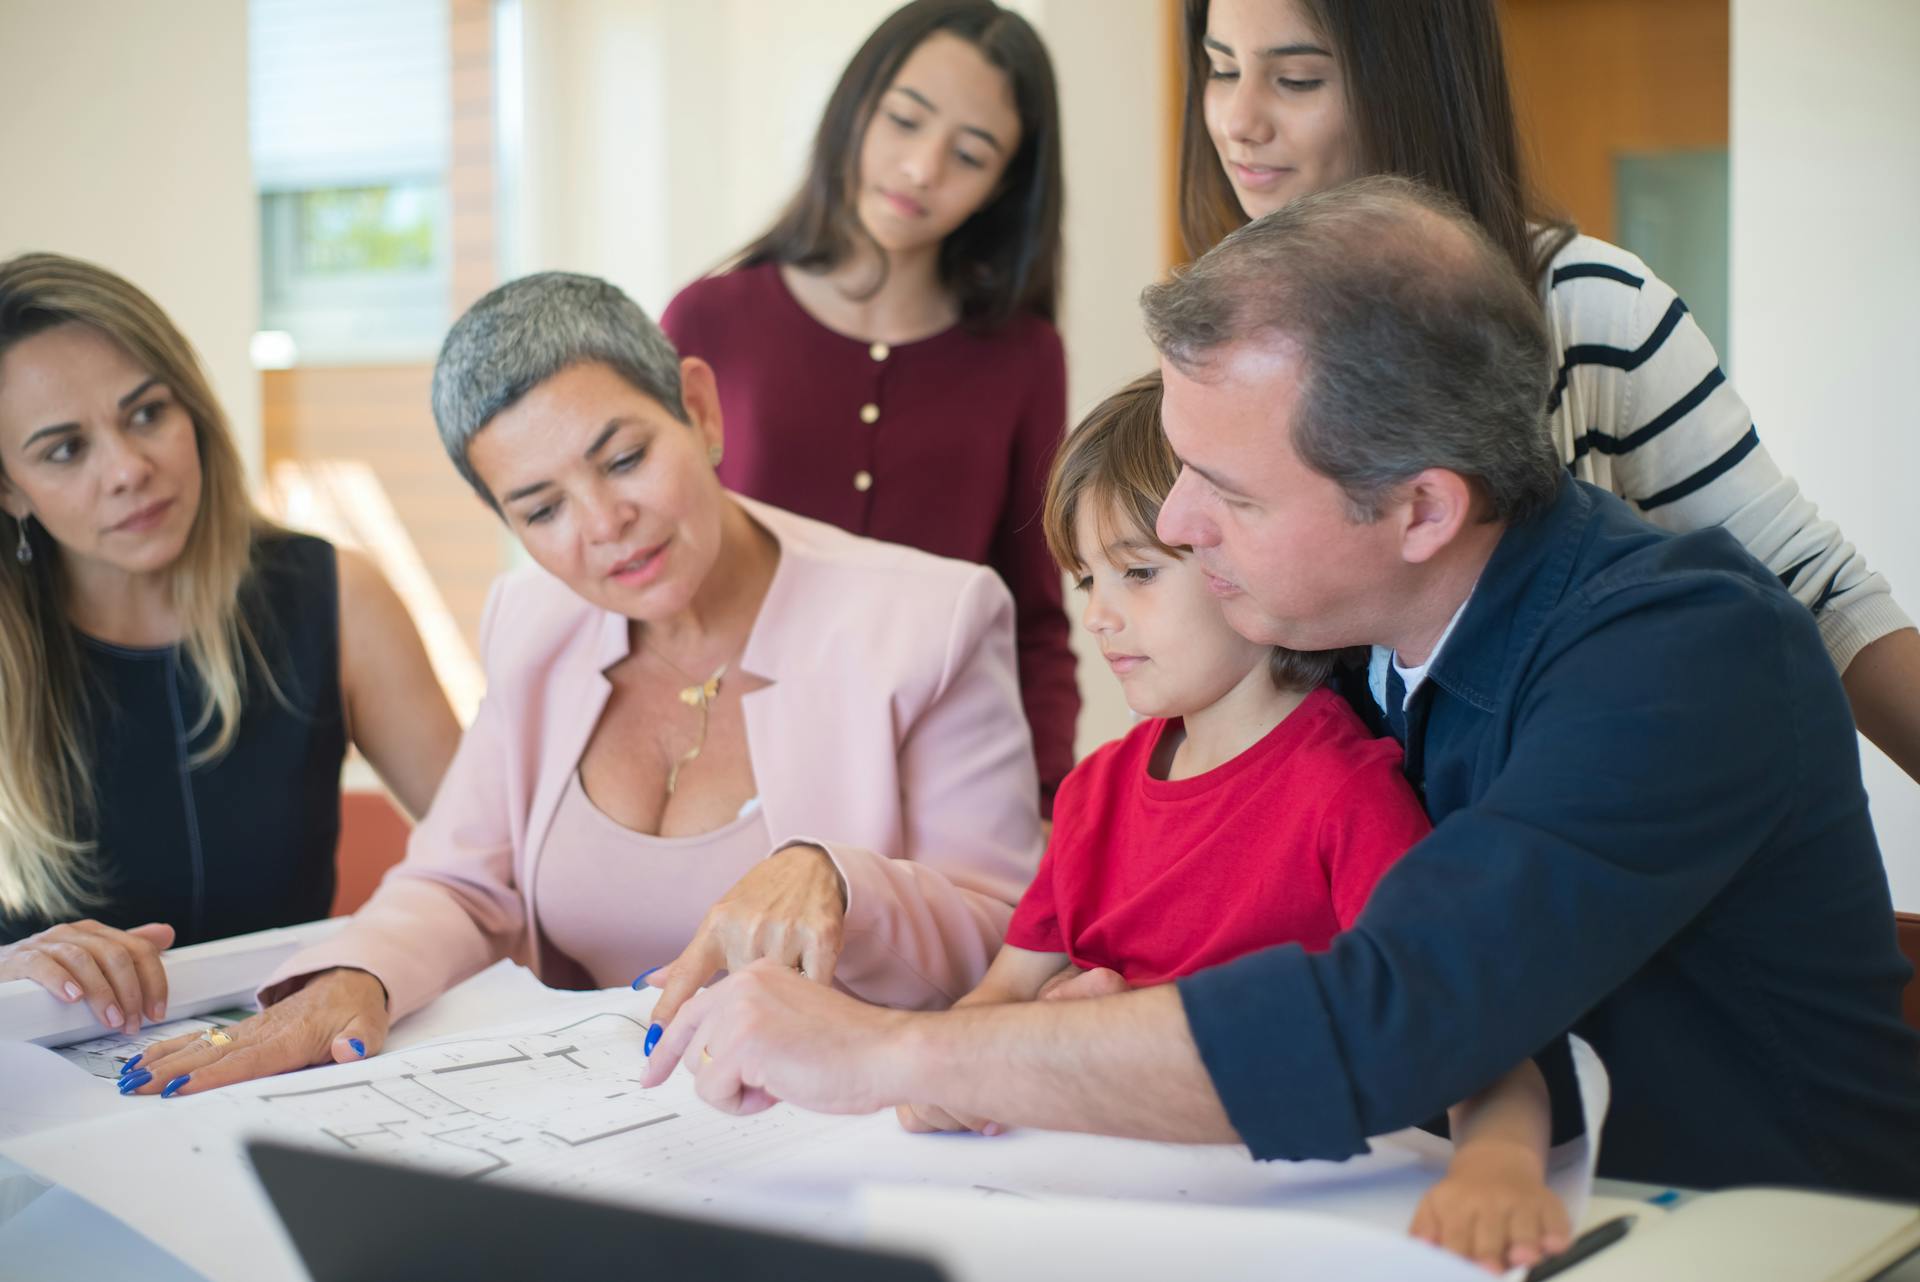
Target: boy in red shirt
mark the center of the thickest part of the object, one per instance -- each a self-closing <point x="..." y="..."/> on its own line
<point x="1249" y="808"/>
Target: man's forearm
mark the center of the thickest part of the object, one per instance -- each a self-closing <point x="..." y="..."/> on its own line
<point x="1122" y="1065"/>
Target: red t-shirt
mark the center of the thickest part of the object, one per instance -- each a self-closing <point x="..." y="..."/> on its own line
<point x="1157" y="878"/>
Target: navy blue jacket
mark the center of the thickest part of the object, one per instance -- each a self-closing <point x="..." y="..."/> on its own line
<point x="1650" y="830"/>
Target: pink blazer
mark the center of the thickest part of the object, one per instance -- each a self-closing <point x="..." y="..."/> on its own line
<point x="892" y="735"/>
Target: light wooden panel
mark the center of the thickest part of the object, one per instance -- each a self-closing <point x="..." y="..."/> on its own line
<point x="381" y="415"/>
<point x="1592" y="78"/>
<point x="470" y="178"/>
<point x="1173" y="91"/>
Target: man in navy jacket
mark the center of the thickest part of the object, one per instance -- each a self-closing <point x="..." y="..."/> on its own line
<point x="1649" y="822"/>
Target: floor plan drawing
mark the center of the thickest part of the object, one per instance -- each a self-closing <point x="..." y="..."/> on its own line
<point x="561" y="1109"/>
<point x="552" y="1099"/>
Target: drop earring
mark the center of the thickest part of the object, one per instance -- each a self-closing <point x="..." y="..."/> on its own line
<point x="24" y="553"/>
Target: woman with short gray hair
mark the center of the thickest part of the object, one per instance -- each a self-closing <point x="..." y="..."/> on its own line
<point x="714" y="731"/>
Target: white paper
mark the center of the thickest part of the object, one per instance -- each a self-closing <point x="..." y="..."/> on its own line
<point x="45" y="1091"/>
<point x="557" y="1106"/>
<point x="528" y="1106"/>
<point x="1012" y="1240"/>
<point x="1575" y="1190"/>
<point x="1322" y="1219"/>
<point x="505" y="995"/>
<point x="200" y="977"/>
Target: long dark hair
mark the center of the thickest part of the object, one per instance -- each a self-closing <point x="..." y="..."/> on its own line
<point x="1005" y="259"/>
<point x="1426" y="84"/>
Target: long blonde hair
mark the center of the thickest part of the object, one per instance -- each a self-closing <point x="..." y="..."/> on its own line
<point x="46" y="868"/>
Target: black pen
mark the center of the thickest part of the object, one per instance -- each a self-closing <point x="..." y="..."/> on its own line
<point x="1592" y="1242"/>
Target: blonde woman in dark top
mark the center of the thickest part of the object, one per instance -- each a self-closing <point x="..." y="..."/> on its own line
<point x="179" y="678"/>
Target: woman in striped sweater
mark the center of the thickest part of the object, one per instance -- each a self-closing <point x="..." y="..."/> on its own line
<point x="1286" y="97"/>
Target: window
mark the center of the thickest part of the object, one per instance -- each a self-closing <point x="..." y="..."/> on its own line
<point x="350" y="105"/>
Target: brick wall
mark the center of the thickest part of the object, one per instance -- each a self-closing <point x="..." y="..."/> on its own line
<point x="380" y="415"/>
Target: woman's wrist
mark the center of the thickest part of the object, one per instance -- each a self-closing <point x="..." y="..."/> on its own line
<point x="356" y="983"/>
<point x="832" y="868"/>
<point x="349" y="982"/>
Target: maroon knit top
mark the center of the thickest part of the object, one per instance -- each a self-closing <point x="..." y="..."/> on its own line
<point x="942" y="444"/>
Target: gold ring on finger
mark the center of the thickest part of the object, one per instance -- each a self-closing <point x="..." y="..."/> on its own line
<point x="705" y="1058"/>
<point x="217" y="1037"/>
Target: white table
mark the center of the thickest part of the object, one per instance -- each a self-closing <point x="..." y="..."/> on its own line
<point x="52" y="1232"/>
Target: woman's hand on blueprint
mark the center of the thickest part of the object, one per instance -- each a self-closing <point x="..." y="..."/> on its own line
<point x="791" y="909"/>
<point x="117" y="973"/>
<point x="338" y="1016"/>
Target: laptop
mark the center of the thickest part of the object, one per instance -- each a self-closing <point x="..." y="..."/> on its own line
<point x="355" y="1220"/>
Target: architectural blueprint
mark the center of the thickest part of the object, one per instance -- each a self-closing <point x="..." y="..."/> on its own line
<point x="554" y="1102"/>
<point x="560" y="1108"/>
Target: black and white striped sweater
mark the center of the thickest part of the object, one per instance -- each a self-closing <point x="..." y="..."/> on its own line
<point x="1641" y="406"/>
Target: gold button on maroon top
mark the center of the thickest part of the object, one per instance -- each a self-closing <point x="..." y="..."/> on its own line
<point x="869" y="413"/>
<point x="863" y="481"/>
<point x="879" y="351"/>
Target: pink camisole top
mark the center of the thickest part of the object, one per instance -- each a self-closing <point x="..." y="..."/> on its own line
<point x="647" y="894"/>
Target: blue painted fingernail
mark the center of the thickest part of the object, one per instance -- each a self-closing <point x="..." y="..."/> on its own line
<point x="653" y="1038"/>
<point x="168" y="1090"/>
<point x="128" y="1066"/>
<point x="643" y="977"/>
<point x="359" y="1047"/>
<point x="1667" y="1198"/>
<point x="134" y="1081"/>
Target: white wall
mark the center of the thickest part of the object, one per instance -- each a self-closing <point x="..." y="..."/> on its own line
<point x="659" y="136"/>
<point x="1109" y="58"/>
<point x="1825" y="278"/>
<point x="746" y="107"/>
<point x="588" y="177"/>
<point x="124" y="141"/>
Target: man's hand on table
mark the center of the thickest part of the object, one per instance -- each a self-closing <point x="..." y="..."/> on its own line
<point x="1073" y="983"/>
<point x="766" y="1034"/>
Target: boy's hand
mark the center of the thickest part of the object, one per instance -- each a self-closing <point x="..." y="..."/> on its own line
<point x="1073" y="984"/>
<point x="1494" y="1208"/>
<point x="925" y="1119"/>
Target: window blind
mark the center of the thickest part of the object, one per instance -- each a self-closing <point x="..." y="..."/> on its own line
<point x="347" y="93"/>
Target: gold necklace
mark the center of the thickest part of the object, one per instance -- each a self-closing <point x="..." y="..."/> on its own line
<point x="701" y="695"/>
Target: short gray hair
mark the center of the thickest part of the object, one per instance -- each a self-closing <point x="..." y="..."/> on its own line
<point x="1420" y="345"/>
<point x="526" y="331"/>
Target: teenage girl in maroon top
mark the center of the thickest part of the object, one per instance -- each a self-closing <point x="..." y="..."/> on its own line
<point x="886" y="352"/>
<point x="1249" y="809"/>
